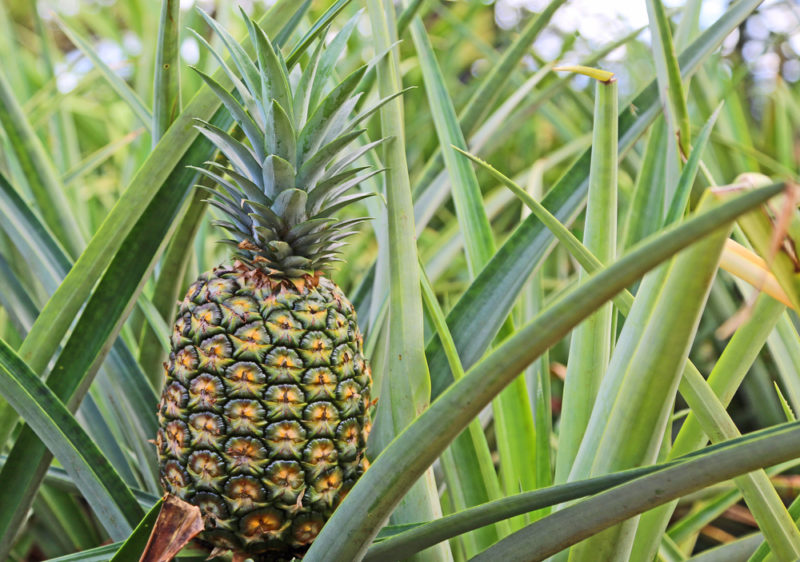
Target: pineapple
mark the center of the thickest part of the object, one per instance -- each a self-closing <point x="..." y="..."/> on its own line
<point x="265" y="412"/>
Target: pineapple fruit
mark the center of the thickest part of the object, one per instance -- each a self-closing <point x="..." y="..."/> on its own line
<point x="265" y="412"/>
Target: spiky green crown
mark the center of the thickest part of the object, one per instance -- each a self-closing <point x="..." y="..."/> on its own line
<point x="284" y="183"/>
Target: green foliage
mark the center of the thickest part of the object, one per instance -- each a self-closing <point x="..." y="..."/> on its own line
<point x="102" y="230"/>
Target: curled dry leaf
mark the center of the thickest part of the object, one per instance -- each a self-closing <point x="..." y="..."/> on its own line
<point x="178" y="522"/>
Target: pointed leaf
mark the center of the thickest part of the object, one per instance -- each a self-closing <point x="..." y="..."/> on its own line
<point x="319" y="25"/>
<point x="243" y="119"/>
<point x="330" y="55"/>
<point x="284" y="135"/>
<point x="265" y="216"/>
<point x="247" y="97"/>
<point x="240" y="58"/>
<point x="277" y="175"/>
<point x="684" y="189"/>
<point x="239" y="155"/>
<point x="245" y="187"/>
<point x="311" y="135"/>
<point x="107" y="494"/>
<point x="291" y="205"/>
<point x="348" y="159"/>
<point x="313" y="168"/>
<point x="274" y="83"/>
<point x="308" y="227"/>
<point x="302" y="94"/>
<point x="319" y="197"/>
<point x="342" y="203"/>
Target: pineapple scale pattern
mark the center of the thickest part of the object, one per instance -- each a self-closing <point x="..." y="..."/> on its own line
<point x="265" y="412"/>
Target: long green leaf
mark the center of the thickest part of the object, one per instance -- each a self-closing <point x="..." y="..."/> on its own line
<point x="167" y="83"/>
<point x="407" y="542"/>
<point x="646" y="211"/>
<point x="491" y="296"/>
<point x="491" y="86"/>
<point x="690" y="526"/>
<point x="591" y="342"/>
<point x="669" y="72"/>
<point x="38" y="171"/>
<point x="57" y="477"/>
<point x="44" y="255"/>
<point x="406" y="387"/>
<point x="724" y="380"/>
<point x="109" y="497"/>
<point x="681" y="197"/>
<point x="566" y="527"/>
<point x="513" y="417"/>
<point x="764" y="502"/>
<point x="472" y="479"/>
<point x="348" y="533"/>
<point x="644" y="374"/>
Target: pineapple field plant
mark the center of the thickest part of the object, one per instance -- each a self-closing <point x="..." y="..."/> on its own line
<point x="454" y="281"/>
<point x="265" y="412"/>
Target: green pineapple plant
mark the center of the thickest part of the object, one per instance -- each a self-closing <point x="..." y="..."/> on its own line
<point x="266" y="404"/>
<point x="266" y="408"/>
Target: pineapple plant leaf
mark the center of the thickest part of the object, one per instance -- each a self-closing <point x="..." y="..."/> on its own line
<point x="266" y="408"/>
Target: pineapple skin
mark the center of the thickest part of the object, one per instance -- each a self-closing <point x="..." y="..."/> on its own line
<point x="264" y="415"/>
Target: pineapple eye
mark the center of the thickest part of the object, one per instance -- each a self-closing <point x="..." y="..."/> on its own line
<point x="262" y="523"/>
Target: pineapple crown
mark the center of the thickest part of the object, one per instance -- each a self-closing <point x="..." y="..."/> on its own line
<point x="291" y="173"/>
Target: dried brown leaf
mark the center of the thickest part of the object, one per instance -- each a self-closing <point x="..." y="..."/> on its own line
<point x="178" y="523"/>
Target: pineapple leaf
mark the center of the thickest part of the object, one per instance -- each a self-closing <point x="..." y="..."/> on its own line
<point x="235" y="195"/>
<point x="302" y="96"/>
<point x="331" y="180"/>
<point x="338" y="124"/>
<point x="283" y="135"/>
<point x="273" y="76"/>
<point x="98" y="481"/>
<point x="345" y="161"/>
<point x="280" y="38"/>
<point x="313" y="168"/>
<point x="331" y="54"/>
<point x="296" y="262"/>
<point x="686" y="180"/>
<point x="264" y="216"/>
<point x="280" y="249"/>
<point x="319" y="197"/>
<point x="241" y="88"/>
<point x="238" y="154"/>
<point x="243" y="119"/>
<point x="291" y="205"/>
<point x="249" y="188"/>
<point x="277" y="175"/>
<point x="376" y="106"/>
<point x="240" y="58"/>
<point x="265" y="234"/>
<point x="240" y="218"/>
<point x="313" y="241"/>
<point x="310" y="226"/>
<point x="230" y="227"/>
<point x="342" y="203"/>
<point x="319" y="25"/>
<point x="317" y="126"/>
<point x="325" y="260"/>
